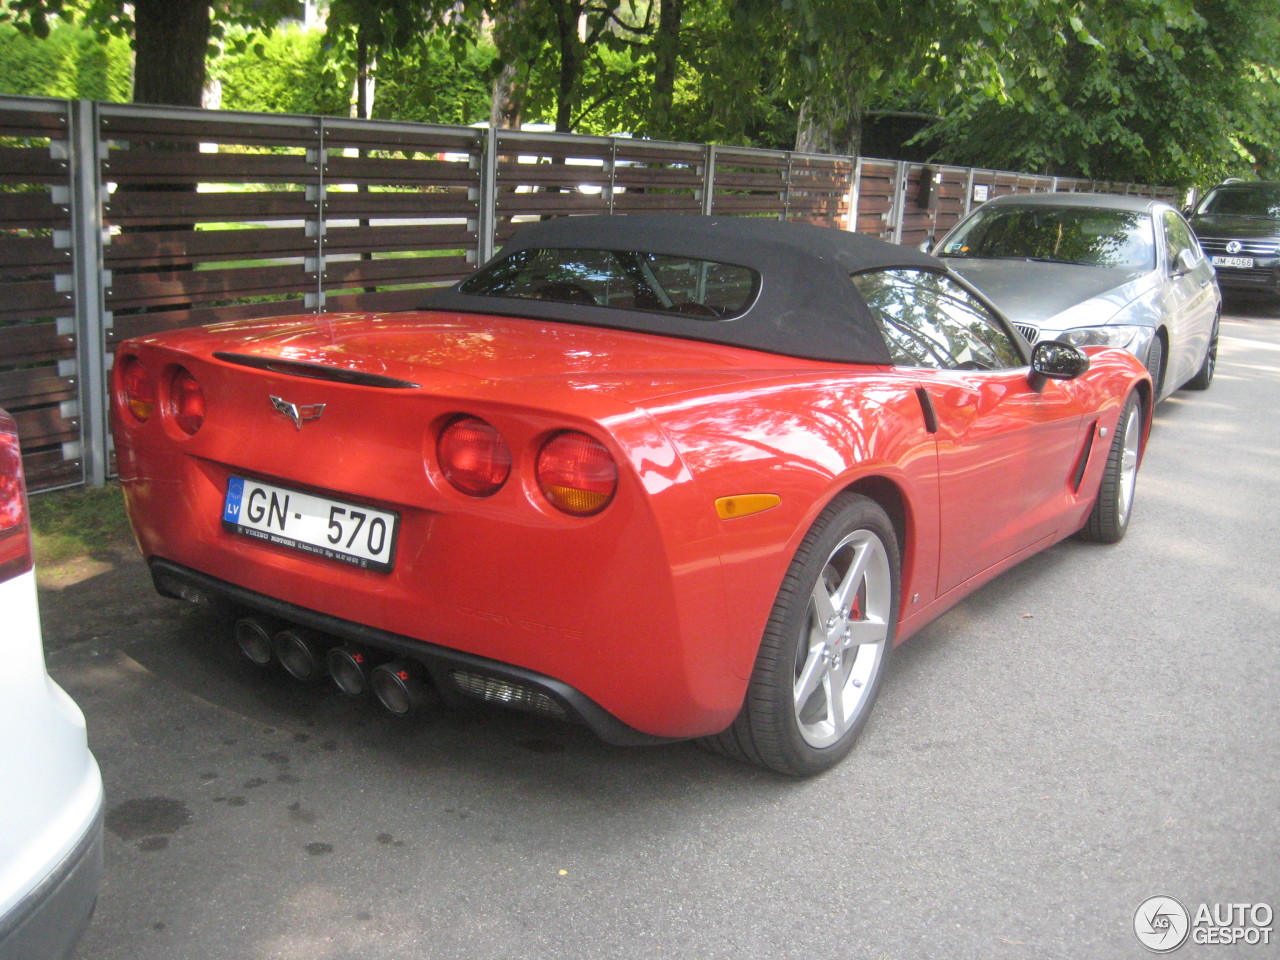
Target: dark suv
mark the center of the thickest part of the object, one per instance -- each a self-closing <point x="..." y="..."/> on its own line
<point x="1238" y="223"/>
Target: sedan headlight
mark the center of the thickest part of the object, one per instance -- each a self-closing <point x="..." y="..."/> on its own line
<point x="1127" y="336"/>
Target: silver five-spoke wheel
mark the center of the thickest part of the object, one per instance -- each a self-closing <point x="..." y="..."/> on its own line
<point x="1129" y="458"/>
<point x="848" y="630"/>
<point x="826" y="645"/>
<point x="1109" y="518"/>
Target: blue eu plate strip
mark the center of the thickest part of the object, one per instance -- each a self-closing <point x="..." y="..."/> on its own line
<point x="235" y="491"/>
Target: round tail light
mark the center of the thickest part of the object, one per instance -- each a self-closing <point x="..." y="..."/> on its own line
<point x="138" y="389"/>
<point x="15" y="533"/>
<point x="186" y="402"/>
<point x="473" y="456"/>
<point x="577" y="474"/>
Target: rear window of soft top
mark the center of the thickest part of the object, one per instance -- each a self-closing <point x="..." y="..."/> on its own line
<point x="621" y="279"/>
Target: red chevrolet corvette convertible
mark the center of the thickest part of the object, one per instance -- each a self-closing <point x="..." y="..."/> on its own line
<point x="665" y="476"/>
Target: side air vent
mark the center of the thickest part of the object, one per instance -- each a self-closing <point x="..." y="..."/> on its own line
<point x="316" y="371"/>
<point x="1083" y="461"/>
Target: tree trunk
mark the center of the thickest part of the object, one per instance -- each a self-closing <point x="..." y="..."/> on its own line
<point x="363" y="100"/>
<point x="825" y="127"/>
<point x="507" y="103"/>
<point x="567" y="13"/>
<point x="510" y="86"/>
<point x="170" y="41"/>
<point x="666" y="53"/>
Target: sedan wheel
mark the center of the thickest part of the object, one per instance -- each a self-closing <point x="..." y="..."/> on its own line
<point x="1155" y="364"/>
<point x="1109" y="518"/>
<point x="1204" y="376"/>
<point x="826" y="646"/>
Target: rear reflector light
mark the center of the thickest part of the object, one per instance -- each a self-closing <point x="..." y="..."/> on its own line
<point x="186" y="402"/>
<point x="138" y="390"/>
<point x="508" y="694"/>
<point x="473" y="456"/>
<point x="577" y="474"/>
<point x="15" y="531"/>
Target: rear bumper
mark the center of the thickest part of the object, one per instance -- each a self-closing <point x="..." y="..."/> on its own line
<point x="48" y="923"/>
<point x="447" y="667"/>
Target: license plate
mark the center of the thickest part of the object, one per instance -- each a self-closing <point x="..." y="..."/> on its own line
<point x="1242" y="263"/>
<point x="334" y="529"/>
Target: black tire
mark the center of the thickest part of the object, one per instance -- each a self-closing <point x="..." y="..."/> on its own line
<point x="1109" y="518"/>
<point x="1204" y="376"/>
<point x="788" y="722"/>
<point x="1155" y="364"/>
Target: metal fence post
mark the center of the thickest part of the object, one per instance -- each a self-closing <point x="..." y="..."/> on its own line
<point x="317" y="158"/>
<point x="855" y="189"/>
<point x="487" y="202"/>
<point x="786" y="191"/>
<point x="899" y="198"/>
<point x="709" y="180"/>
<point x="89" y="281"/>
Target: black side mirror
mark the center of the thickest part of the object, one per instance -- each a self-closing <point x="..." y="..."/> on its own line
<point x="1055" y="360"/>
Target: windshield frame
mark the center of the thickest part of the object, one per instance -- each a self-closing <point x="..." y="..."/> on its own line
<point x="1268" y="209"/>
<point x="1138" y="249"/>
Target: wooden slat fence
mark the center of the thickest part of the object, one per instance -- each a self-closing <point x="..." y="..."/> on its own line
<point x="118" y="221"/>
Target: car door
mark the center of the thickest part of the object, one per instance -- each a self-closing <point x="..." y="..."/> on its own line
<point x="1006" y="448"/>
<point x="1187" y="300"/>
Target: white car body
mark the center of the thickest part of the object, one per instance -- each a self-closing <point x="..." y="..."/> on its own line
<point x="50" y="788"/>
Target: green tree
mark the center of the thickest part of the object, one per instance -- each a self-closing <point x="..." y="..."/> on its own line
<point x="171" y="38"/>
<point x="286" y="71"/>
<point x="1143" y="91"/>
<point x="434" y="82"/>
<point x="571" y="35"/>
<point x="362" y="30"/>
<point x="72" y="62"/>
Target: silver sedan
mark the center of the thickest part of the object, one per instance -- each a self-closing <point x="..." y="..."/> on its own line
<point x="1096" y="269"/>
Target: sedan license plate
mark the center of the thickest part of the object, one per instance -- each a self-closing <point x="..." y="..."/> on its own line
<point x="334" y="529"/>
<point x="1242" y="263"/>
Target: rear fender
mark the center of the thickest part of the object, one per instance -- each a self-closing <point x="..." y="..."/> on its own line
<point x="804" y="444"/>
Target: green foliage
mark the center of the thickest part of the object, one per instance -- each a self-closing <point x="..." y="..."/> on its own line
<point x="1147" y="91"/>
<point x="731" y="87"/>
<point x="115" y="17"/>
<point x="426" y="83"/>
<point x="1170" y="91"/>
<point x="71" y="62"/>
<point x="287" y="71"/>
<point x="296" y="71"/>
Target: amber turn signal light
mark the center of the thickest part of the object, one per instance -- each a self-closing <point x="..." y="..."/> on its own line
<point x="138" y="390"/>
<point x="576" y="473"/>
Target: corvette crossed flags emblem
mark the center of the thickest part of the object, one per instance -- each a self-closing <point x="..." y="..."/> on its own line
<point x="298" y="413"/>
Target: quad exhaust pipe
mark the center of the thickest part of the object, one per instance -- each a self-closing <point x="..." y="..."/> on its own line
<point x="350" y="666"/>
<point x="253" y="637"/>
<point x="402" y="687"/>
<point x="301" y="652"/>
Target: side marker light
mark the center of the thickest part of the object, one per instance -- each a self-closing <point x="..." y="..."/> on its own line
<point x="743" y="505"/>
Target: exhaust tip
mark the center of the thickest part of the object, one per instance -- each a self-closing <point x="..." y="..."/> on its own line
<point x="349" y="666"/>
<point x="253" y="637"/>
<point x="403" y="687"/>
<point x="300" y="652"/>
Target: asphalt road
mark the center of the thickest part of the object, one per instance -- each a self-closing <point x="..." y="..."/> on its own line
<point x="1099" y="726"/>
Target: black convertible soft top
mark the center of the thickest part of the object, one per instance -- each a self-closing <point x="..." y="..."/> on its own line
<point x="806" y="306"/>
